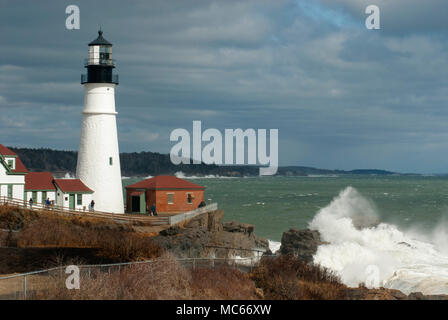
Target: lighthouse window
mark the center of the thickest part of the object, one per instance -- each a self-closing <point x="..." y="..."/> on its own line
<point x="110" y="161"/>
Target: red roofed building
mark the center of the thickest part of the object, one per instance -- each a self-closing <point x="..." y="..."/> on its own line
<point x="19" y="184"/>
<point x="39" y="187"/>
<point x="12" y="174"/>
<point x="168" y="193"/>
<point x="73" y="193"/>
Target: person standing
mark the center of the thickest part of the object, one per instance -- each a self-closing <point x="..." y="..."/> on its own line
<point x="31" y="203"/>
<point x="153" y="210"/>
<point x="92" y="205"/>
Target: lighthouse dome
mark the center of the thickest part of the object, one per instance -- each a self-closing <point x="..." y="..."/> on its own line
<point x="99" y="62"/>
<point x="100" y="41"/>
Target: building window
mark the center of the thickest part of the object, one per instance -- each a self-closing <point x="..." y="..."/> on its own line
<point x="11" y="164"/>
<point x="170" y="198"/>
<point x="190" y="198"/>
<point x="110" y="161"/>
<point x="79" y="199"/>
<point x="10" y="190"/>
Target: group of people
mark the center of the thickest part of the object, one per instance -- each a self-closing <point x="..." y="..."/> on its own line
<point x="48" y="203"/>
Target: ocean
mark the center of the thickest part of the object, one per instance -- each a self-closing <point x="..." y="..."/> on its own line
<point x="403" y="244"/>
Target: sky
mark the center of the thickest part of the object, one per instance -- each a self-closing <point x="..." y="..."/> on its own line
<point x="341" y="96"/>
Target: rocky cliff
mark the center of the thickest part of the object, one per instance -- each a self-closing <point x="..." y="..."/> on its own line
<point x="207" y="235"/>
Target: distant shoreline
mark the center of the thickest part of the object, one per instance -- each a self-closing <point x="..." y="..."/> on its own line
<point x="144" y="164"/>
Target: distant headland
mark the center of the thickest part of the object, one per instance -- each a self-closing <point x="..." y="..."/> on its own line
<point x="142" y="164"/>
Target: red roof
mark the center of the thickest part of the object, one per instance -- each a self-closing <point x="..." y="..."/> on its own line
<point x="20" y="167"/>
<point x="71" y="185"/>
<point x="6" y="152"/>
<point x="39" y="181"/>
<point x="165" y="182"/>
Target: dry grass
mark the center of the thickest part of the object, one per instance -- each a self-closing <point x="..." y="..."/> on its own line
<point x="164" y="279"/>
<point x="288" y="278"/>
<point x="45" y="229"/>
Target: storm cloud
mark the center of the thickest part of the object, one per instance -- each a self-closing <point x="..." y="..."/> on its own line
<point x="341" y="96"/>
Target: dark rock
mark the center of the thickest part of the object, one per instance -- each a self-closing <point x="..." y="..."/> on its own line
<point x="416" y="296"/>
<point x="361" y="222"/>
<point x="405" y="244"/>
<point x="397" y="294"/>
<point x="171" y="231"/>
<point x="436" y="297"/>
<point x="301" y="243"/>
<point x="239" y="227"/>
<point x="206" y="235"/>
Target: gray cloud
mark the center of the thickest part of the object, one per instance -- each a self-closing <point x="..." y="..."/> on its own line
<point x="340" y="95"/>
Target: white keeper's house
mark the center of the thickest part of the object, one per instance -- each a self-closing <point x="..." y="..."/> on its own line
<point x="19" y="184"/>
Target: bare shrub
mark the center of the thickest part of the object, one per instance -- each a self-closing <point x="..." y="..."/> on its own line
<point x="223" y="283"/>
<point x="288" y="278"/>
<point x="163" y="279"/>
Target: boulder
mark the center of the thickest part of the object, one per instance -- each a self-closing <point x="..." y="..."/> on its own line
<point x="233" y="226"/>
<point x="301" y="243"/>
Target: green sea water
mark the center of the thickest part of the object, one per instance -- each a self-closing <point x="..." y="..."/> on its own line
<point x="275" y="204"/>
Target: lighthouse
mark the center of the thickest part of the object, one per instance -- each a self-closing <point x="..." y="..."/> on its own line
<point x="98" y="164"/>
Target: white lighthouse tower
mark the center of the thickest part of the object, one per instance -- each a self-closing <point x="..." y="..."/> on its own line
<point x="98" y="155"/>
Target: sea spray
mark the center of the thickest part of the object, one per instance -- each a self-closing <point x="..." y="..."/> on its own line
<point x="274" y="246"/>
<point x="358" y="245"/>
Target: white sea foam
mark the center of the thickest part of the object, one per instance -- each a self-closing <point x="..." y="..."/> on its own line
<point x="181" y="175"/>
<point x="361" y="251"/>
<point x="274" y="246"/>
<point x="322" y="176"/>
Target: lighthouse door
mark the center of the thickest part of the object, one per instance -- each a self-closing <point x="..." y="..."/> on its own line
<point x="72" y="201"/>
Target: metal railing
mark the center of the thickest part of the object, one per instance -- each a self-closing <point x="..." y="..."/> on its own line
<point x="99" y="62"/>
<point x="175" y="219"/>
<point x="26" y="285"/>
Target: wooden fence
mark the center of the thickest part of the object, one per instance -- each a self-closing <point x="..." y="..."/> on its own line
<point x="148" y="220"/>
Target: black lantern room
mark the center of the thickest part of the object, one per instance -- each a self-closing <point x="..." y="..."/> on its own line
<point x="99" y="64"/>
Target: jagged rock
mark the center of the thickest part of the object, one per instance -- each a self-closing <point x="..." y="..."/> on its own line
<point x="416" y="296"/>
<point x="363" y="293"/>
<point x="206" y="234"/>
<point x="397" y="294"/>
<point x="239" y="227"/>
<point x="301" y="243"/>
<point x="361" y="222"/>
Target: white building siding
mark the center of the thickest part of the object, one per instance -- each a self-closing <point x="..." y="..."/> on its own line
<point x="63" y="199"/>
<point x="50" y="194"/>
<point x="17" y="181"/>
